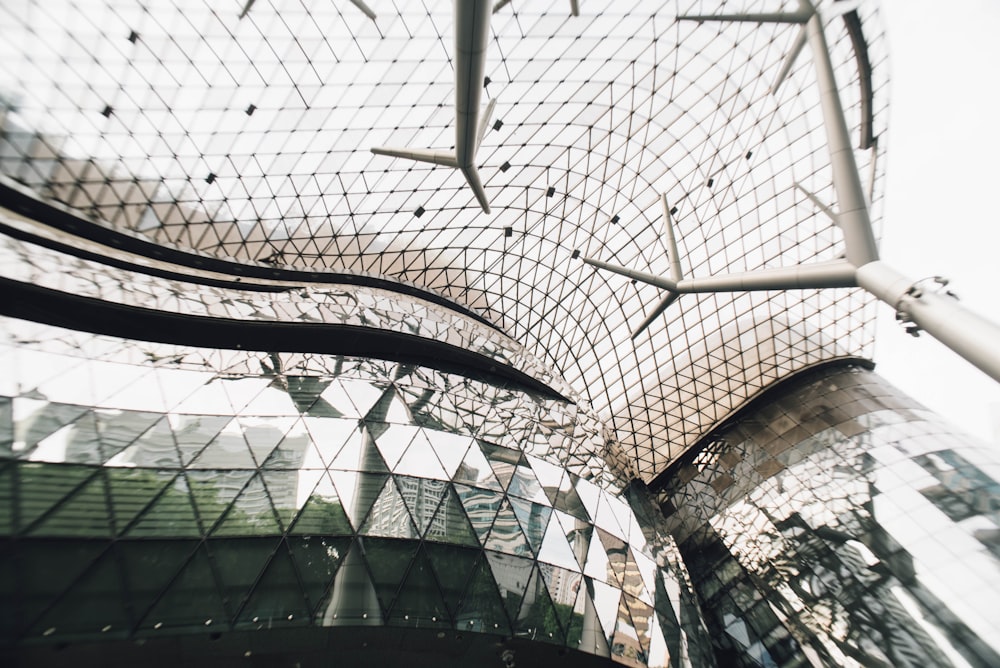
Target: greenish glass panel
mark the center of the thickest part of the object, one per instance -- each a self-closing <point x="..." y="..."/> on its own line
<point x="170" y="515"/>
<point x="538" y="618"/>
<point x="419" y="601"/>
<point x="277" y="597"/>
<point x="481" y="609"/>
<point x="352" y="599"/>
<point x="41" y="486"/>
<point x="84" y="513"/>
<point x="193" y="433"/>
<point x="388" y="560"/>
<point x="283" y="489"/>
<point x="45" y="420"/>
<point x="454" y="566"/>
<point x="564" y="587"/>
<point x="250" y="514"/>
<point x="6" y="499"/>
<point x="94" y="603"/>
<point x="450" y="524"/>
<point x="322" y="516"/>
<point x="512" y="575"/>
<point x="41" y="571"/>
<point x="6" y="427"/>
<point x="213" y="492"/>
<point x="149" y="566"/>
<point x="131" y="490"/>
<point x="358" y="492"/>
<point x="239" y="563"/>
<point x="481" y="507"/>
<point x="318" y="558"/>
<point x="192" y="599"/>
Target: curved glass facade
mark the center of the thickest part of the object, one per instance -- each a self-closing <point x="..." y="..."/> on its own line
<point x="839" y="522"/>
<point x="156" y="490"/>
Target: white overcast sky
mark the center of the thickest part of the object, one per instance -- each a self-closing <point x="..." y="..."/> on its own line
<point x="942" y="210"/>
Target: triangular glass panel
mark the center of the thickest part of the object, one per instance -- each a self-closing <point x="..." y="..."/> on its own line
<point x="388" y="561"/>
<point x="35" y="420"/>
<point x="506" y="535"/>
<point x="502" y="460"/>
<point x="353" y="398"/>
<point x="119" y="429"/>
<point x="658" y="655"/>
<point x="524" y="485"/>
<point x="352" y="599"/>
<point x="598" y="565"/>
<point x="420" y="460"/>
<point x="306" y="391"/>
<point x="475" y="470"/>
<point x="567" y="500"/>
<point x="549" y="476"/>
<point x="193" y="433"/>
<point x="647" y="571"/>
<point x="170" y="515"/>
<point x="453" y="566"/>
<point x="357" y="492"/>
<point x="624" y="517"/>
<point x="228" y="450"/>
<point x="360" y="453"/>
<point x="276" y="598"/>
<point x="605" y="518"/>
<point x="450" y="524"/>
<point x="450" y="449"/>
<point x="419" y="601"/>
<point x="263" y="435"/>
<point x="42" y="486"/>
<point x="250" y="514"/>
<point x="512" y="575"/>
<point x="148" y="566"/>
<point x="534" y="519"/>
<point x="635" y="624"/>
<point x="590" y="495"/>
<point x="564" y="587"/>
<point x="537" y="618"/>
<point x="83" y="513"/>
<point x="389" y="516"/>
<point x="129" y="491"/>
<point x="481" y="609"/>
<point x="555" y="549"/>
<point x="283" y="488"/>
<point x="209" y="399"/>
<point x="239" y="563"/>
<point x="192" y="599"/>
<point x="213" y="492"/>
<point x="318" y="558"/>
<point x="328" y="436"/>
<point x="606" y="602"/>
<point x="73" y="444"/>
<point x="586" y="633"/>
<point x="389" y="408"/>
<point x="272" y="402"/>
<point x="240" y="391"/>
<point x="46" y="569"/>
<point x="295" y="451"/>
<point x="393" y="441"/>
<point x="322" y="512"/>
<point x="481" y="508"/>
<point x="422" y="497"/>
<point x="95" y="602"/>
<point x="618" y="556"/>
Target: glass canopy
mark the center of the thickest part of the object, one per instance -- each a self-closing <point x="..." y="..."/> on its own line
<point x="245" y="130"/>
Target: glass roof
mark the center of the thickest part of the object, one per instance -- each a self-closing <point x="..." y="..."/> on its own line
<point x="251" y="138"/>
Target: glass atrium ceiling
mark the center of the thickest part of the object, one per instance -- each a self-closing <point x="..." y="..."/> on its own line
<point x="251" y="138"/>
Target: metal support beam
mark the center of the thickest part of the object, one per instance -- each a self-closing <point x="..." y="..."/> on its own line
<point x="971" y="336"/>
<point x="472" y="31"/>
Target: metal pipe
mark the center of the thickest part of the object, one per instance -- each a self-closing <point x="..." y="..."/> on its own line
<point x="940" y="315"/>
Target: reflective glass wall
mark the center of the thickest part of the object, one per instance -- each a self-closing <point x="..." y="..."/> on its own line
<point x="837" y="522"/>
<point x="152" y="490"/>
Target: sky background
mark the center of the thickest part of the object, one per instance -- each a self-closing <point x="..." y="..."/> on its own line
<point x="943" y="185"/>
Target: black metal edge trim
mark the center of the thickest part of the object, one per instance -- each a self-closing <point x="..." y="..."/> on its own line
<point x="853" y="23"/>
<point x="60" y="309"/>
<point x="20" y="199"/>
